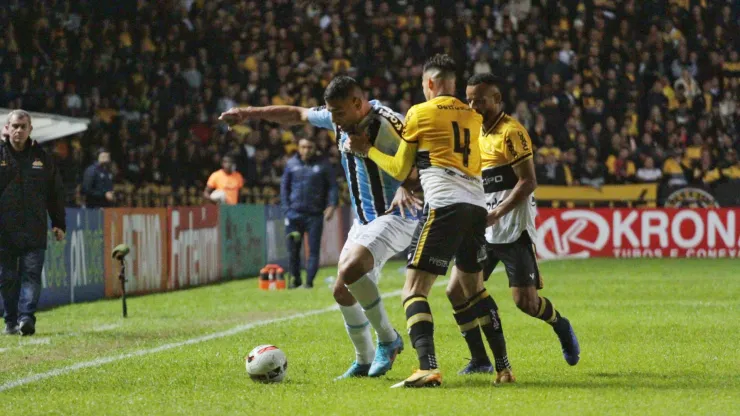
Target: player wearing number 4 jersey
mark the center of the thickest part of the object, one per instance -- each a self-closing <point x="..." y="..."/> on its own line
<point x="374" y="236"/>
<point x="509" y="182"/>
<point x="441" y="137"/>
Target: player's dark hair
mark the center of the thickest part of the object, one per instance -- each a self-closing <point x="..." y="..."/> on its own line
<point x="340" y="87"/>
<point x="443" y="63"/>
<point x="484" y="78"/>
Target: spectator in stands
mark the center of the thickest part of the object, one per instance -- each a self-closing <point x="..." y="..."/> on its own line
<point x="97" y="182"/>
<point x="551" y="172"/>
<point x="308" y="196"/>
<point x="224" y="185"/>
<point x="592" y="172"/>
<point x="30" y="187"/>
<point x="621" y="169"/>
<point x="648" y="173"/>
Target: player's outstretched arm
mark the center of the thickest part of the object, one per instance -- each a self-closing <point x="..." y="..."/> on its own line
<point x="282" y="114"/>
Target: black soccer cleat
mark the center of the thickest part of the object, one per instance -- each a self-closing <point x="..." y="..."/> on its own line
<point x="568" y="341"/>
<point x="477" y="367"/>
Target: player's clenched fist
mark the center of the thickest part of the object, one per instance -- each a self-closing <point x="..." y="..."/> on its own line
<point x="233" y="116"/>
<point x="358" y="144"/>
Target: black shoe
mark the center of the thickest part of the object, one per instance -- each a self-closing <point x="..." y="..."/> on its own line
<point x="308" y="286"/>
<point x="27" y="327"/>
<point x="11" y="329"/>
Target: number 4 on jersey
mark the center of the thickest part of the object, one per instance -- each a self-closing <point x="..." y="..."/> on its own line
<point x="464" y="145"/>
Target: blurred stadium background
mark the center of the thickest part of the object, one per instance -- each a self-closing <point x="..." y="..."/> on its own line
<point x="632" y="106"/>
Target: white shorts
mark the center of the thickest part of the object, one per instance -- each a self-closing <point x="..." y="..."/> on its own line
<point x="384" y="236"/>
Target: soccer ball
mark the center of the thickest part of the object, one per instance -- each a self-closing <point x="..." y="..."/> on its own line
<point x="267" y="364"/>
<point x="218" y="196"/>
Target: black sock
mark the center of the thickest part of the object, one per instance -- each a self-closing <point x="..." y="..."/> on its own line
<point x="490" y="323"/>
<point x="547" y="312"/>
<point x="467" y="321"/>
<point x="421" y="330"/>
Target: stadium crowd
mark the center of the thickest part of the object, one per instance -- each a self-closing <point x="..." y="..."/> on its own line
<point x="610" y="91"/>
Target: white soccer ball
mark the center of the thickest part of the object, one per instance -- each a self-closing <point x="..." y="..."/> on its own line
<point x="218" y="196"/>
<point x="267" y="364"/>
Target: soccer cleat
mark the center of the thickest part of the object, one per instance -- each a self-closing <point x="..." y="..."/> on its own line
<point x="27" y="327"/>
<point x="504" y="377"/>
<point x="385" y="355"/>
<point x="355" y="370"/>
<point x="568" y="341"/>
<point x="422" y="378"/>
<point x="11" y="329"/>
<point x="477" y="367"/>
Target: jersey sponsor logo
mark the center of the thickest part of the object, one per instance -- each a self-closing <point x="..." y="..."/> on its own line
<point x="392" y="119"/>
<point x="510" y="147"/>
<point x="493" y="179"/>
<point x="453" y="107"/>
<point x="523" y="140"/>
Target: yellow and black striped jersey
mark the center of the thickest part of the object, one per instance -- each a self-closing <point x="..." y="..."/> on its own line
<point x="446" y="131"/>
<point x="503" y="146"/>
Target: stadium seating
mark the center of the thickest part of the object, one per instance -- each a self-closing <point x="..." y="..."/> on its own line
<point x="589" y="79"/>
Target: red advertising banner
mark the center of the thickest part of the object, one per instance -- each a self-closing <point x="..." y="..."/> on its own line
<point x="195" y="247"/>
<point x="145" y="231"/>
<point x="630" y="233"/>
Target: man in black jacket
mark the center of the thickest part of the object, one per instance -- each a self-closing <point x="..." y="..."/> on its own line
<point x="30" y="185"/>
<point x="97" y="182"/>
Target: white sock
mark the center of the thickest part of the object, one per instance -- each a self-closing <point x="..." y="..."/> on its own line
<point x="367" y="294"/>
<point x="358" y="329"/>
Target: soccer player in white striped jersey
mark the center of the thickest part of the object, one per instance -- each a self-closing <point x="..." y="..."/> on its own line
<point x="374" y="236"/>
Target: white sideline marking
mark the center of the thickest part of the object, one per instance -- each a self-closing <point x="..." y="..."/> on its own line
<point x="107" y="327"/>
<point x="216" y="335"/>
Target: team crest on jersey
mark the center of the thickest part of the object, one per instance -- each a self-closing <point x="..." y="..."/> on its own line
<point x="37" y="164"/>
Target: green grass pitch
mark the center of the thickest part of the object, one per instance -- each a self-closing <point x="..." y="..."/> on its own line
<point x="657" y="337"/>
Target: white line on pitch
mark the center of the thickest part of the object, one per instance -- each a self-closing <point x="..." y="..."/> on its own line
<point x="216" y="335"/>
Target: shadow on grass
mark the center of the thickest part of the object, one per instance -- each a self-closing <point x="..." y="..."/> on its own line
<point x="604" y="380"/>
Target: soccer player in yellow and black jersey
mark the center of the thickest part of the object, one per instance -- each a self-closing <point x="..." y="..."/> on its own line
<point x="509" y="182"/>
<point x="441" y="137"/>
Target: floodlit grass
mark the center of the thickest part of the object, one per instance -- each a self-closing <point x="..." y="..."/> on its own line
<point x="658" y="336"/>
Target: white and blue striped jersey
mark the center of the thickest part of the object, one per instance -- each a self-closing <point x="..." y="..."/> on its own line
<point x="371" y="189"/>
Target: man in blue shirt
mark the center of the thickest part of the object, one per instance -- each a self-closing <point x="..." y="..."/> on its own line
<point x="308" y="196"/>
<point x="374" y="236"/>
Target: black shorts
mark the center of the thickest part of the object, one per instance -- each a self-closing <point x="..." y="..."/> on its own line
<point x="519" y="259"/>
<point x="457" y="230"/>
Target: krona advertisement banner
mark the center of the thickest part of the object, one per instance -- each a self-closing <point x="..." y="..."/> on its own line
<point x="630" y="233"/>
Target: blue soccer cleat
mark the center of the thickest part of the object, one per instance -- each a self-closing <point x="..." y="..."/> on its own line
<point x="568" y="341"/>
<point x="385" y="355"/>
<point x="355" y="370"/>
<point x="477" y="367"/>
